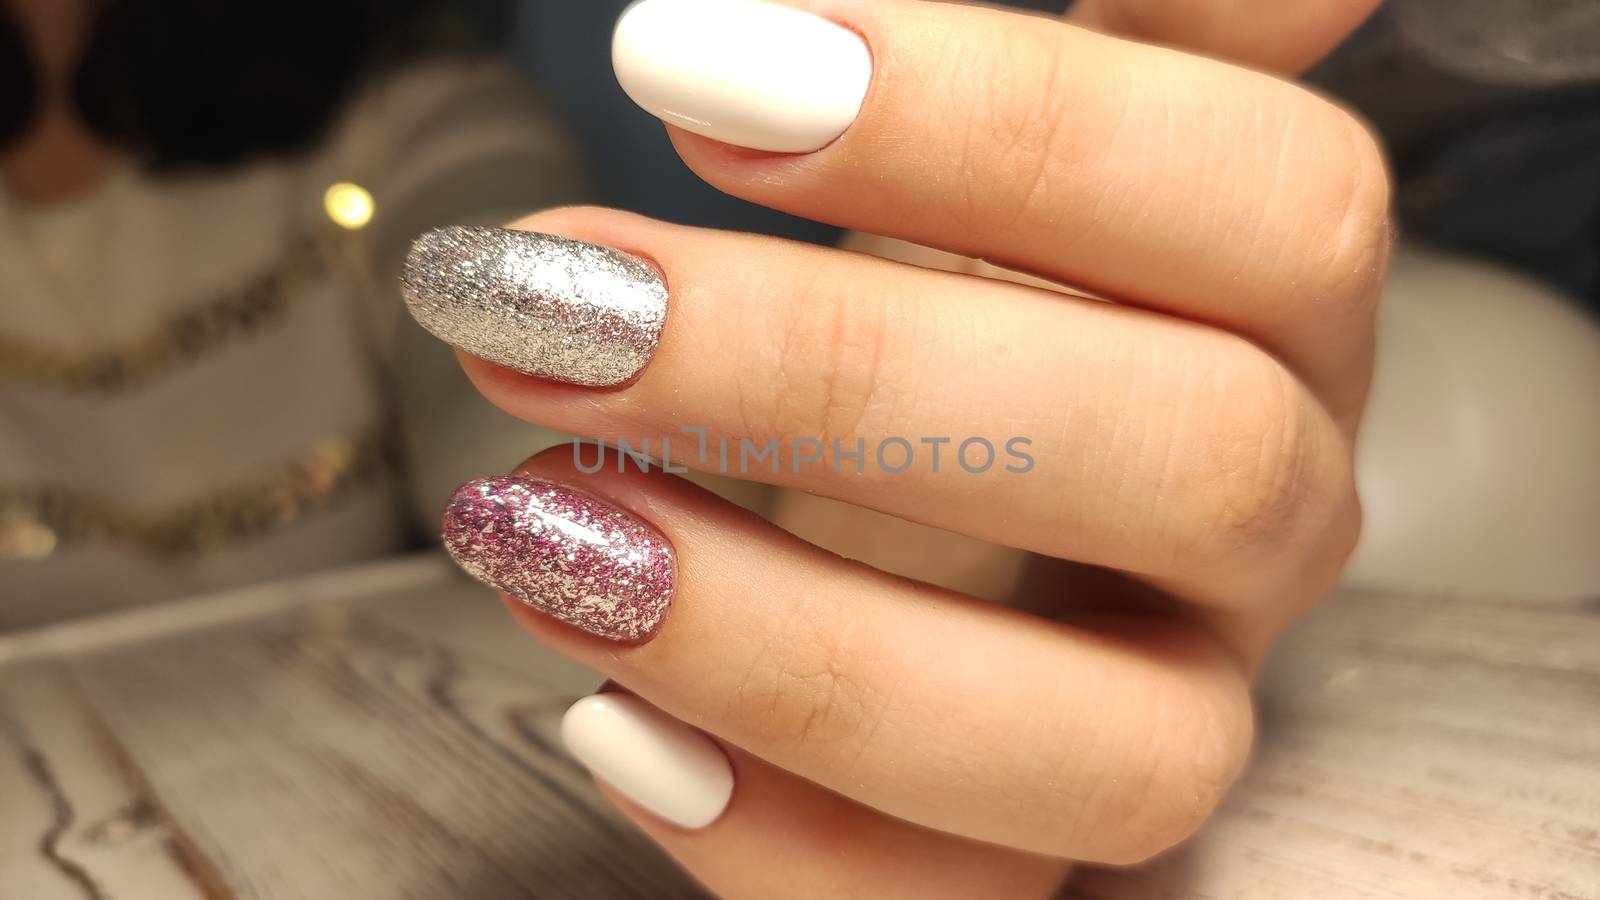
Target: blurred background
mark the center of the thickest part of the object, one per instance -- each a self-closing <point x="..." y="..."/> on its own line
<point x="207" y="378"/>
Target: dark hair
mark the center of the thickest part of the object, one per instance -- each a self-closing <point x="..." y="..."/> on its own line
<point x="19" y="86"/>
<point x="201" y="83"/>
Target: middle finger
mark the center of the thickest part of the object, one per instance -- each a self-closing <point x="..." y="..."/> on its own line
<point x="1084" y="430"/>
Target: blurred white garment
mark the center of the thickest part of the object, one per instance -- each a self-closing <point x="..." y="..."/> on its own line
<point x="283" y="413"/>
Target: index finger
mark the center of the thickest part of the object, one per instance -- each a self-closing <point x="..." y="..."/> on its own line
<point x="1169" y="181"/>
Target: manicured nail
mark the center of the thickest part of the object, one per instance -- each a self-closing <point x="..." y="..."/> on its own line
<point x="744" y="72"/>
<point x="564" y="552"/>
<point x="649" y="757"/>
<point x="543" y="305"/>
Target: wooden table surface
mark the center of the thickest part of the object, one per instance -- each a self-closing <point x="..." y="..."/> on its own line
<point x="386" y="733"/>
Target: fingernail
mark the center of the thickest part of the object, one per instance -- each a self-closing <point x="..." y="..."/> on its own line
<point x="654" y="760"/>
<point x="564" y="552"/>
<point x="744" y="72"/>
<point x="543" y="305"/>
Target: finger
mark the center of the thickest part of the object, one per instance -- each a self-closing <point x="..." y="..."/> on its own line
<point x="1136" y="172"/>
<point x="782" y="836"/>
<point x="1264" y="34"/>
<point x="1157" y="446"/>
<point x="961" y="716"/>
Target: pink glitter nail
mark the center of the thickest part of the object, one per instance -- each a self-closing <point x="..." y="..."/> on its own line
<point x="564" y="552"/>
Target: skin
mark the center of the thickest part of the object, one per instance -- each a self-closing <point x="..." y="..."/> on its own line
<point x="894" y="738"/>
<point x="60" y="159"/>
<point x="1194" y="491"/>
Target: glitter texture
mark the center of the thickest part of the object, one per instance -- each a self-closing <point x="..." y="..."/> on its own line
<point x="565" y="553"/>
<point x="543" y="305"/>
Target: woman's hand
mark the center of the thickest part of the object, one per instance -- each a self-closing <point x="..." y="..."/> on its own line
<point x="885" y="737"/>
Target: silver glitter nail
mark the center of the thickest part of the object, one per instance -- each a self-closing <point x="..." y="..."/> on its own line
<point x="544" y="305"/>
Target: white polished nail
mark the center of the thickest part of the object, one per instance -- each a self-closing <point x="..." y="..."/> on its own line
<point x="745" y="72"/>
<point x="649" y="757"/>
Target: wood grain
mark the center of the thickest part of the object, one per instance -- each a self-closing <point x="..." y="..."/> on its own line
<point x="78" y="821"/>
<point x="1410" y="748"/>
<point x="392" y="735"/>
<point x="323" y="754"/>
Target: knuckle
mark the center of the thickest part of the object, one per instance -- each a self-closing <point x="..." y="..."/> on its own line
<point x="806" y="689"/>
<point x="1356" y="222"/>
<point x="824" y="378"/>
<point x="1159" y="754"/>
<point x="1200" y="745"/>
<point x="1250" y="470"/>
<point x="1017" y="128"/>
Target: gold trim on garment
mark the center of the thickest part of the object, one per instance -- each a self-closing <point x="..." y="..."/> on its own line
<point x="183" y="338"/>
<point x="36" y="522"/>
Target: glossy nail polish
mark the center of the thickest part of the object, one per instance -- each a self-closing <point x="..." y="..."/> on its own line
<point x="654" y="760"/>
<point x="540" y="304"/>
<point x="745" y="72"/>
<point x="564" y="552"/>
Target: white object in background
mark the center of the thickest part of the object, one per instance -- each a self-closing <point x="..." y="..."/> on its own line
<point x="744" y="72"/>
<point x="1480" y="459"/>
<point x="649" y="757"/>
